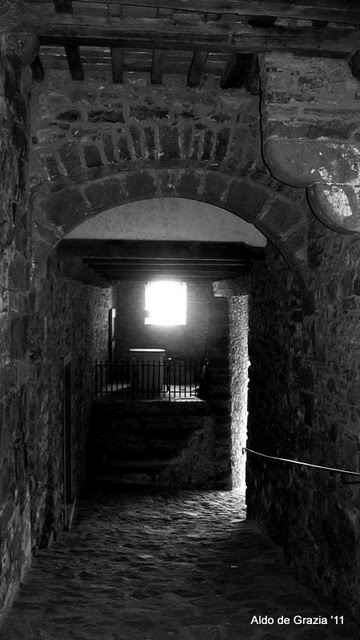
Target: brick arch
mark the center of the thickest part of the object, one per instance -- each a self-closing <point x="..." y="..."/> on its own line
<point x="273" y="213"/>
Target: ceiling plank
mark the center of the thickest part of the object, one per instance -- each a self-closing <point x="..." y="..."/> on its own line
<point x="347" y="11"/>
<point x="155" y="33"/>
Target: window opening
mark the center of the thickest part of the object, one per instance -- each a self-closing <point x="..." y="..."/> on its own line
<point x="165" y="303"/>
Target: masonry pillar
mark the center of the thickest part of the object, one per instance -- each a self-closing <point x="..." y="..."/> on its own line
<point x="311" y="133"/>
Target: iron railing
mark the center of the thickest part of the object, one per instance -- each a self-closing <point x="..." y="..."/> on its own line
<point x="149" y="379"/>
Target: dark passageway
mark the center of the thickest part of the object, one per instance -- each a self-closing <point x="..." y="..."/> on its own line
<point x="162" y="566"/>
<point x="215" y="144"/>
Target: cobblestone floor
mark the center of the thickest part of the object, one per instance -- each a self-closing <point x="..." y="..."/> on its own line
<point x="166" y="566"/>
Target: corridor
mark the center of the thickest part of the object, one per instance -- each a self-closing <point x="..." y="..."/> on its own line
<point x="167" y="566"/>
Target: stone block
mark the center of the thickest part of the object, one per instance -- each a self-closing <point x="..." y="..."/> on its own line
<point x="150" y="145"/>
<point x="106" y="115"/>
<point x="280" y="219"/>
<point x="71" y="115"/>
<point x="145" y="112"/>
<point x="215" y="188"/>
<point x="123" y="147"/>
<point x="66" y="208"/>
<point x="139" y="185"/>
<point x="136" y="141"/>
<point x="189" y="184"/>
<point x="221" y="144"/>
<point x="246" y="200"/>
<point x="105" y="194"/>
<point x="92" y="156"/>
<point x="207" y="145"/>
<point x="70" y="158"/>
<point x="169" y="143"/>
<point x="108" y="145"/>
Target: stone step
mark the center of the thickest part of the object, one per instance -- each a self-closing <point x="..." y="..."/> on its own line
<point x="159" y="453"/>
<point x="139" y="465"/>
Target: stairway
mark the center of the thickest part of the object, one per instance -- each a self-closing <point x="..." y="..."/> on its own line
<point x="151" y="443"/>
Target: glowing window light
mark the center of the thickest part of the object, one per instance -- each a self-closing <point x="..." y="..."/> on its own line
<point x="165" y="303"/>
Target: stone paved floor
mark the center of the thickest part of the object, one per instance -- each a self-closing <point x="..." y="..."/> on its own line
<point x="165" y="566"/>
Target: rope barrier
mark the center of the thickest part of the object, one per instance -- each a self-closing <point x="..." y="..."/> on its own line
<point x="304" y="464"/>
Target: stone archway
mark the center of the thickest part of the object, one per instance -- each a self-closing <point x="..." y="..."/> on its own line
<point x="274" y="214"/>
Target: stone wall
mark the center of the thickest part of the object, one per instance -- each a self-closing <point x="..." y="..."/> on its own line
<point x="97" y="146"/>
<point x="304" y="405"/>
<point x="183" y="341"/>
<point x="15" y="274"/>
<point x="67" y="318"/>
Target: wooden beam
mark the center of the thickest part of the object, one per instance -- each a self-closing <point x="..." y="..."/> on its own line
<point x="72" y="51"/>
<point x="211" y="36"/>
<point x="354" y="64"/>
<point x="157" y="66"/>
<point x="347" y="11"/>
<point x="117" y="53"/>
<point x="37" y="70"/>
<point x="197" y="68"/>
<point x="163" y="250"/>
<point x="74" y="62"/>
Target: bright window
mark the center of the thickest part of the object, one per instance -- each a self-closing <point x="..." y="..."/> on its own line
<point x="165" y="302"/>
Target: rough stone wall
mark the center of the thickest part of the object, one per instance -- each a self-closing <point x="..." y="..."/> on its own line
<point x="183" y="341"/>
<point x="99" y="145"/>
<point x="15" y="274"/>
<point x="86" y="131"/>
<point x="304" y="405"/>
<point x="275" y="343"/>
<point x="67" y="317"/>
<point x="239" y="362"/>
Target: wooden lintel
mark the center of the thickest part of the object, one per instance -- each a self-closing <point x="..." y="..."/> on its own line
<point x="347" y="11"/>
<point x="156" y="33"/>
<point x="74" y="62"/>
<point x="197" y="68"/>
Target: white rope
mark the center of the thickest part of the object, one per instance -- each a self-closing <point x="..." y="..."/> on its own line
<point x="304" y="464"/>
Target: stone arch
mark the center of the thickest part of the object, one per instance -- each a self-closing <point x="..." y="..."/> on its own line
<point x="279" y="217"/>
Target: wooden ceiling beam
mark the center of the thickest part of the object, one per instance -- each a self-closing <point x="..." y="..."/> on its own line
<point x="37" y="70"/>
<point x="347" y="11"/>
<point x="67" y="29"/>
<point x="197" y="68"/>
<point x="117" y="53"/>
<point x="162" y="250"/>
<point x="72" y="51"/>
<point x="157" y="66"/>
